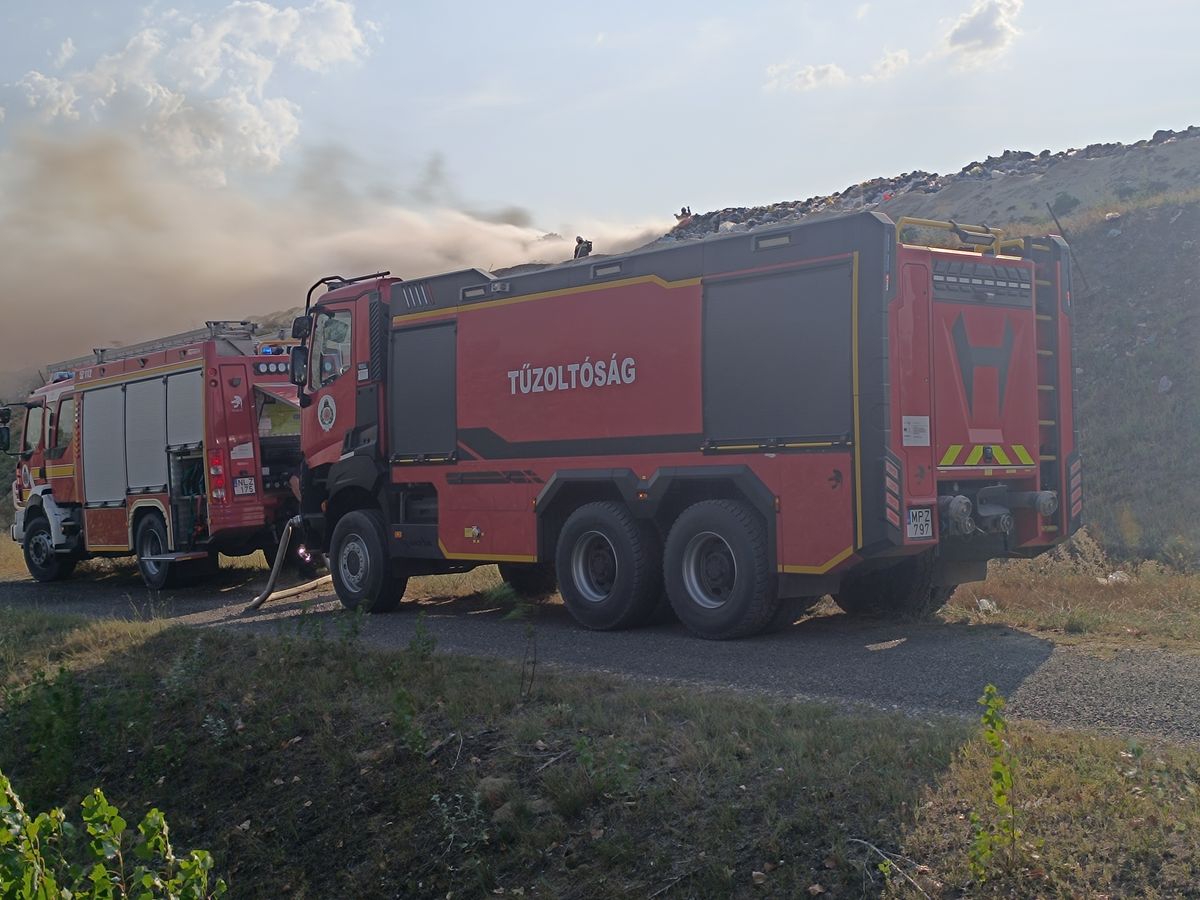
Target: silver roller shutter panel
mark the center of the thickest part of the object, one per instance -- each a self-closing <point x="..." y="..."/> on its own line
<point x="104" y="445"/>
<point x="185" y="408"/>
<point x="146" y="433"/>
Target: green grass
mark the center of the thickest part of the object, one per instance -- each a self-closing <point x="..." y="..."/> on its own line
<point x="312" y="766"/>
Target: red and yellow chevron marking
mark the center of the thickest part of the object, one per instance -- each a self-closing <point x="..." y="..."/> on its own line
<point x="1013" y="455"/>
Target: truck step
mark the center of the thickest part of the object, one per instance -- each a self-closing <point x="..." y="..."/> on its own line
<point x="177" y="557"/>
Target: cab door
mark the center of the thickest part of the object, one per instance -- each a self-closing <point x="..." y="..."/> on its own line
<point x="31" y="463"/>
<point x="332" y="374"/>
<point x="60" y="452"/>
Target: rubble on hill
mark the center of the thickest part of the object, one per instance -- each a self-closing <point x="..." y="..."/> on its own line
<point x="877" y="192"/>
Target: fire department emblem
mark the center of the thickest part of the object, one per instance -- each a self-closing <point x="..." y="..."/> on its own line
<point x="326" y="412"/>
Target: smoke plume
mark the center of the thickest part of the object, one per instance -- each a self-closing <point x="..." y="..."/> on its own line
<point x="104" y="244"/>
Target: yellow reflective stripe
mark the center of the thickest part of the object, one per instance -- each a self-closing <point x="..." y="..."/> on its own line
<point x="1023" y="455"/>
<point x="974" y="456"/>
<point x="1000" y="455"/>
<point x="951" y="455"/>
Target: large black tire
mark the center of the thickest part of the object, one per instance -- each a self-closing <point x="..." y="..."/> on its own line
<point x="363" y="573"/>
<point x="609" y="566"/>
<point x="902" y="591"/>
<point x="150" y="539"/>
<point x="40" y="559"/>
<point x="531" y="581"/>
<point x="717" y="570"/>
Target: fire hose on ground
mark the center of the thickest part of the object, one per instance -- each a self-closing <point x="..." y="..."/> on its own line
<point x="269" y="592"/>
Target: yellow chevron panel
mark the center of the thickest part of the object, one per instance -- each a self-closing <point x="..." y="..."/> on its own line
<point x="1023" y="455"/>
<point x="951" y="455"/>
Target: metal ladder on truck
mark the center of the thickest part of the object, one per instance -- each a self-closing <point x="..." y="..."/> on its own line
<point x="1058" y="446"/>
<point x="239" y="334"/>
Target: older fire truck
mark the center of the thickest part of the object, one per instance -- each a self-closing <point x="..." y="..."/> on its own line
<point x="743" y="423"/>
<point x="174" y="449"/>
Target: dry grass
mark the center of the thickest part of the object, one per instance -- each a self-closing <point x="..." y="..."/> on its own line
<point x="314" y="767"/>
<point x="1077" y="593"/>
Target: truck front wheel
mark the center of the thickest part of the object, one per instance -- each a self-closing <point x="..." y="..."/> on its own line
<point x="609" y="566"/>
<point x="360" y="566"/>
<point x="902" y="591"/>
<point x="41" y="560"/>
<point x="718" y="570"/>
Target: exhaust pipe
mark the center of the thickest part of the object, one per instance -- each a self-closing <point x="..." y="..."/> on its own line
<point x="268" y="592"/>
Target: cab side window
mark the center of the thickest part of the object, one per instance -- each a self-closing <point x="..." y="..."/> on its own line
<point x="64" y="427"/>
<point x="34" y="418"/>
<point x="332" y="354"/>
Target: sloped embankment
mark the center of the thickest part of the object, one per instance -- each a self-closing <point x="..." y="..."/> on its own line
<point x="1138" y="377"/>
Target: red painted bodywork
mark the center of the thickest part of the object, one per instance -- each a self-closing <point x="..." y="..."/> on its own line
<point x="658" y="324"/>
<point x="229" y="422"/>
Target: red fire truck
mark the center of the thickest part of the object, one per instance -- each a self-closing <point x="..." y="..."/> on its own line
<point x="734" y="426"/>
<point x="174" y="450"/>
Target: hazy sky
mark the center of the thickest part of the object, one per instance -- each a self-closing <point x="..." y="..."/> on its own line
<point x="165" y="163"/>
<point x="616" y="110"/>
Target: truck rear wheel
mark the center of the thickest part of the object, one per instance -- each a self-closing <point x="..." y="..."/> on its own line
<point x="531" y="581"/>
<point x="609" y="566"/>
<point x="150" y="539"/>
<point x="718" y="570"/>
<point x="902" y="591"/>
<point x="360" y="565"/>
<point x="40" y="559"/>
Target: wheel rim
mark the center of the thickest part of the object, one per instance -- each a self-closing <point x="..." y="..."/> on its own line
<point x="152" y="545"/>
<point x="354" y="562"/>
<point x="594" y="566"/>
<point x="709" y="570"/>
<point x="41" y="550"/>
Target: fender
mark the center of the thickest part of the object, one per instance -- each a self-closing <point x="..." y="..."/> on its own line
<point x="353" y="471"/>
<point x="42" y="498"/>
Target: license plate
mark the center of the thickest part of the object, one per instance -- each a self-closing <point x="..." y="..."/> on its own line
<point x="242" y="486"/>
<point x="920" y="523"/>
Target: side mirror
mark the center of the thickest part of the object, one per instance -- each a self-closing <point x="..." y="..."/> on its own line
<point x="5" y="438"/>
<point x="298" y="370"/>
<point x="301" y="327"/>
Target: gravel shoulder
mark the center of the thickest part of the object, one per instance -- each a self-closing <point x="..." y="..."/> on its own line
<point x="919" y="668"/>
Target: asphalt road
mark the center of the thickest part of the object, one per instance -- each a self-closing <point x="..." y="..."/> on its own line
<point x="921" y="668"/>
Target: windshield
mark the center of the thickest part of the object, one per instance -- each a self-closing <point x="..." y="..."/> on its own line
<point x="331" y="355"/>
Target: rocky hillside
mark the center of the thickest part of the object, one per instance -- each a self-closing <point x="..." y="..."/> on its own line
<point x="1012" y="188"/>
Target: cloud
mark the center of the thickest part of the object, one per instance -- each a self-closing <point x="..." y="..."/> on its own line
<point x="862" y="11"/>
<point x="49" y="96"/>
<point x="64" y="54"/>
<point x="794" y="77"/>
<point x="889" y="66"/>
<point x="983" y="33"/>
<point x="199" y="88"/>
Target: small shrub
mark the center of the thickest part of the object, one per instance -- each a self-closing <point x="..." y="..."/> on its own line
<point x="1002" y="834"/>
<point x="36" y="862"/>
<point x="1064" y="203"/>
<point x="423" y="643"/>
